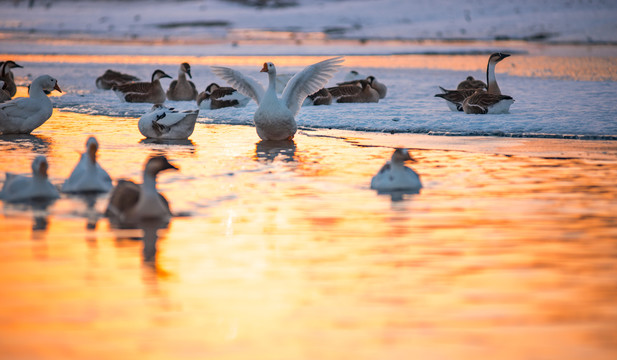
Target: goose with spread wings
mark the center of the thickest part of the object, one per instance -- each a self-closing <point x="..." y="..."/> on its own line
<point x="275" y="118"/>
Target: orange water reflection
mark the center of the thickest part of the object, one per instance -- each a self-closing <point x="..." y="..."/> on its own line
<point x="584" y="68"/>
<point x="285" y="253"/>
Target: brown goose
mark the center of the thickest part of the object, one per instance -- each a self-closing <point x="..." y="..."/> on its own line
<point x="182" y="89"/>
<point x="113" y="78"/>
<point x="321" y="97"/>
<point x="217" y="97"/>
<point x="381" y="89"/>
<point x="6" y="75"/>
<point x="366" y="95"/>
<point x="143" y="92"/>
<point x="130" y="203"/>
<point x="455" y="98"/>
<point x="490" y="101"/>
<point x="471" y="83"/>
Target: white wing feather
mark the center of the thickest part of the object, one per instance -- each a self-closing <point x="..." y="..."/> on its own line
<point x="244" y="84"/>
<point x="309" y="81"/>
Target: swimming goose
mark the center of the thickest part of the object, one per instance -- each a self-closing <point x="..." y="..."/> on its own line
<point x="321" y="97"/>
<point x="113" y="78"/>
<point x="274" y="118"/>
<point x="395" y="176"/>
<point x="130" y="203"/>
<point x="490" y="101"/>
<point x="143" y="92"/>
<point x="88" y="175"/>
<point x="366" y="95"/>
<point x="23" y="188"/>
<point x="471" y="83"/>
<point x="167" y="124"/>
<point x="455" y="98"/>
<point x="217" y="97"/>
<point x="182" y="89"/>
<point x="22" y="115"/>
<point x="6" y="75"/>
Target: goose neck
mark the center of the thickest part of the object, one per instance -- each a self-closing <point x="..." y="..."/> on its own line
<point x="491" y="80"/>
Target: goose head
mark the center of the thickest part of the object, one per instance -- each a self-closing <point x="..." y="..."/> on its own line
<point x="159" y="74"/>
<point x="401" y="155"/>
<point x="497" y="57"/>
<point x="39" y="167"/>
<point x="212" y="87"/>
<point x="156" y="164"/>
<point x="269" y="68"/>
<point x="370" y="80"/>
<point x="92" y="147"/>
<point x="47" y="83"/>
<point x="186" y="68"/>
<point x="10" y="64"/>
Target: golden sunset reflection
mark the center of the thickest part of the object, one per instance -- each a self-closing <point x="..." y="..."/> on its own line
<point x="283" y="252"/>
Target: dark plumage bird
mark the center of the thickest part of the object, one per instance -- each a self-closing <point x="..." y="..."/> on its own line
<point x="131" y="203"/>
<point x="143" y="92"/>
<point x="113" y="78"/>
<point x="6" y="76"/>
<point x="366" y="95"/>
<point x="218" y="97"/>
<point x="321" y="97"/>
<point x="471" y="83"/>
<point x="182" y="89"/>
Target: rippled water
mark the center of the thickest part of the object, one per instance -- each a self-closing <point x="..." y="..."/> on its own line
<point x="283" y="252"/>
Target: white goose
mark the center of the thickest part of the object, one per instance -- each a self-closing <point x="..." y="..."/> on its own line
<point x="167" y="124"/>
<point x="88" y="175"/>
<point x="395" y="176"/>
<point x="19" y="188"/>
<point x="22" y="115"/>
<point x="274" y="118"/>
<point x="130" y="203"/>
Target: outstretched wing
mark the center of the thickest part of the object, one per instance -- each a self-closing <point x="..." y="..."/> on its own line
<point x="309" y="81"/>
<point x="244" y="84"/>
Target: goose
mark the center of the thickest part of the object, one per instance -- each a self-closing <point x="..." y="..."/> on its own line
<point x="321" y="97"/>
<point x="143" y="92"/>
<point x="490" y="101"/>
<point x="88" y="175"/>
<point x="182" y="89"/>
<point x="167" y="123"/>
<point x="395" y="176"/>
<point x="23" y="115"/>
<point x="381" y="88"/>
<point x="454" y="99"/>
<point x="6" y="75"/>
<point x="19" y="188"/>
<point x="471" y="83"/>
<point x="131" y="203"/>
<point x="4" y="95"/>
<point x="113" y="78"/>
<point x="482" y="102"/>
<point x="274" y="118"/>
<point x="217" y="97"/>
<point x="366" y="95"/>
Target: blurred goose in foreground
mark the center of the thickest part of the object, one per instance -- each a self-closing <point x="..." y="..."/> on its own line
<point x="143" y="92"/>
<point x="453" y="97"/>
<point x="23" y="188"/>
<point x="471" y="83"/>
<point x="274" y="118"/>
<point x="217" y="97"/>
<point x="182" y="89"/>
<point x="6" y="75"/>
<point x="88" y="175"/>
<point x="113" y="78"/>
<point x="167" y="123"/>
<point x="395" y="176"/>
<point x="23" y="115"/>
<point x="366" y="95"/>
<point x="130" y="203"/>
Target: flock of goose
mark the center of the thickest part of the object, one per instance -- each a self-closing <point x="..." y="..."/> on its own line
<point x="274" y="119"/>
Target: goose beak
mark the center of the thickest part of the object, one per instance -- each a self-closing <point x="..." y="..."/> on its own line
<point x="188" y="72"/>
<point x="265" y="68"/>
<point x="56" y="87"/>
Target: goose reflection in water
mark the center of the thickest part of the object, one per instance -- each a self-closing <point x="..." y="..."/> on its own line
<point x="37" y="144"/>
<point x="268" y="150"/>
